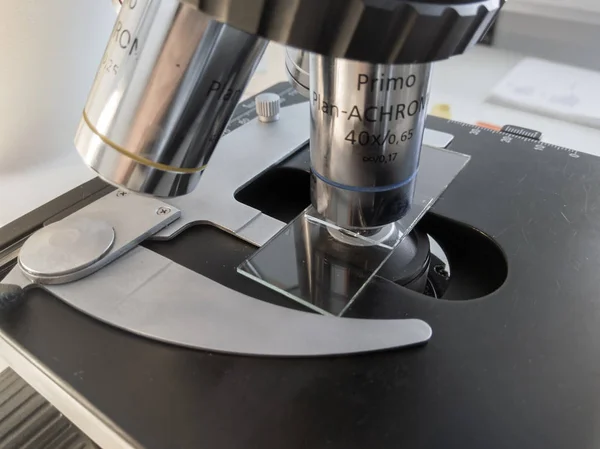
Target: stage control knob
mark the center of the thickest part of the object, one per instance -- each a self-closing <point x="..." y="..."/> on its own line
<point x="267" y="107"/>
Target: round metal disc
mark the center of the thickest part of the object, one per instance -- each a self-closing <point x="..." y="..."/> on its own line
<point x="66" y="246"/>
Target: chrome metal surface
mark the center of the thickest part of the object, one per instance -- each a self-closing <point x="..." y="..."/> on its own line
<point x="263" y="146"/>
<point x="382" y="31"/>
<point x="367" y="124"/>
<point x="268" y="106"/>
<point x="170" y="79"/>
<point x="297" y="66"/>
<point x="66" y="246"/>
<point x="373" y="237"/>
<point x="133" y="218"/>
<point x="241" y="156"/>
<point x="147" y="294"/>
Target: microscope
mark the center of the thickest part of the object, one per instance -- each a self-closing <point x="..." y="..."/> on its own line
<point x="323" y="261"/>
<point x="171" y="78"/>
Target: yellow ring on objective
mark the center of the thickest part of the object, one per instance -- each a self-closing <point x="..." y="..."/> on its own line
<point x="135" y="157"/>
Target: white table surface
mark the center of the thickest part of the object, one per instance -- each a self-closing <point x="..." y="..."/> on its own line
<point x="462" y="82"/>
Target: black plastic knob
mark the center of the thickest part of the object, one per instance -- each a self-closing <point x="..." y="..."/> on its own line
<point x="10" y="296"/>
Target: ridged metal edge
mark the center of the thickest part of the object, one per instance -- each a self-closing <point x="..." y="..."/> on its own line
<point x="28" y="421"/>
<point x="267" y="105"/>
<point x="405" y="32"/>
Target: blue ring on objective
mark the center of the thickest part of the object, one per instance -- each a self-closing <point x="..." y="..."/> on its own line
<point x="365" y="189"/>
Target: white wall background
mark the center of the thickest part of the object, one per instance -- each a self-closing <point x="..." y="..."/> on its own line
<point x="591" y="5"/>
<point x="566" y="31"/>
<point x="580" y="10"/>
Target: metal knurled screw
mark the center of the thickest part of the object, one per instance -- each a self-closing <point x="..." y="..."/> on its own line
<point x="121" y="193"/>
<point x="163" y="211"/>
